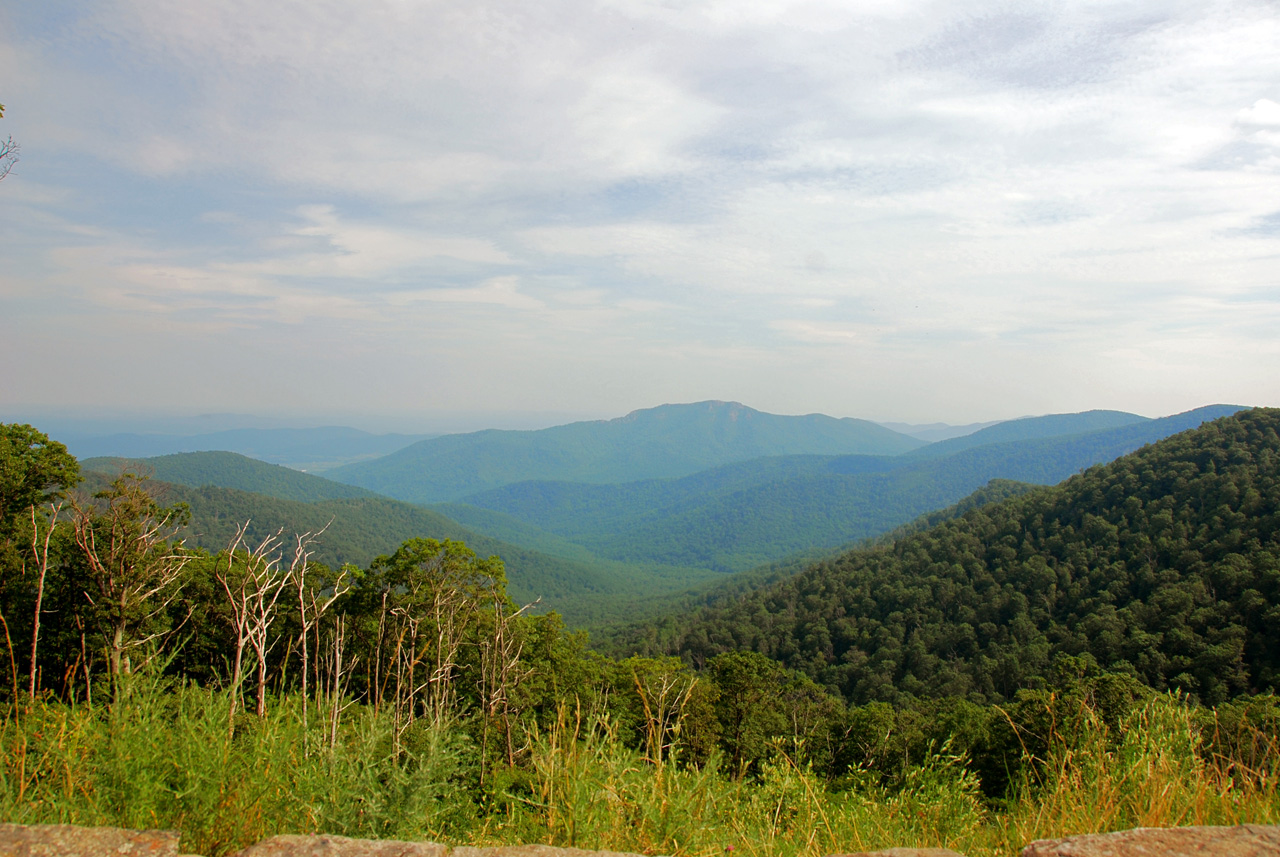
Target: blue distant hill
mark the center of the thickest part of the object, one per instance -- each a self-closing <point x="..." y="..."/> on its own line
<point x="308" y="449"/>
<point x="661" y="442"/>
<point x="735" y="517"/>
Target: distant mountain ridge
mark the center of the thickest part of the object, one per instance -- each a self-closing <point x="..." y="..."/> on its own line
<point x="602" y="542"/>
<point x="738" y="516"/>
<point x="934" y="432"/>
<point x="663" y="442"/>
<point x="1031" y="428"/>
<point x="308" y="448"/>
<point x="231" y="470"/>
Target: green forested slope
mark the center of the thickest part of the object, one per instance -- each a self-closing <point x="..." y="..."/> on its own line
<point x="667" y="441"/>
<point x="1164" y="564"/>
<point x="361" y="528"/>
<point x="739" y="516"/>
<point x="231" y="470"/>
<point x="634" y="635"/>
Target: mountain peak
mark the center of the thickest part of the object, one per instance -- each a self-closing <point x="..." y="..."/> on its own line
<point x="666" y="441"/>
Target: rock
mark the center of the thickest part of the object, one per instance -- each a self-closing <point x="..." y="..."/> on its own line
<point x="69" y="840"/>
<point x="341" y="846"/>
<point x="904" y="852"/>
<point x="533" y="851"/>
<point x="1245" y="840"/>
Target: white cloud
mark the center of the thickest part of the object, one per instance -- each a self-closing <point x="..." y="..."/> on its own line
<point x="911" y="183"/>
<point x="1264" y="113"/>
<point x="809" y="331"/>
<point x="500" y="291"/>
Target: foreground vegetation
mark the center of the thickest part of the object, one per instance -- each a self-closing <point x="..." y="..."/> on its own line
<point x="160" y="755"/>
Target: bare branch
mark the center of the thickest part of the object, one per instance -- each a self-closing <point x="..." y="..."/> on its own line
<point x="8" y="156"/>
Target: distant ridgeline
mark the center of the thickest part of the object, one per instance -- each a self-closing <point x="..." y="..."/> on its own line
<point x="653" y="443"/>
<point x="1164" y="564"/>
<point x="225" y="490"/>
<point x="770" y="494"/>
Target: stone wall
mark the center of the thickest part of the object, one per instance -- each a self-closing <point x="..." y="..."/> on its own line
<point x="64" y="840"/>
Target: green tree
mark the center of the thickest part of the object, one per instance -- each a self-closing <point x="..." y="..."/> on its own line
<point x="31" y="467"/>
<point x="749" y="707"/>
<point x="430" y="597"/>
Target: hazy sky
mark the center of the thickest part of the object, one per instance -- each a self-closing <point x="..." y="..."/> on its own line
<point x="395" y="211"/>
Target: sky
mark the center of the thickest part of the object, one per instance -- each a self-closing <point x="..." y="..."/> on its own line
<point x="421" y="215"/>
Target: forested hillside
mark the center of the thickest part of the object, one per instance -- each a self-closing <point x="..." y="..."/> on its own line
<point x="231" y="470"/>
<point x="666" y="441"/>
<point x="1164" y="564"/>
<point x="739" y="516"/>
<point x="627" y="636"/>
<point x="358" y="529"/>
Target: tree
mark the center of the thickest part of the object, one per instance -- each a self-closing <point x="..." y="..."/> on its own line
<point x="31" y="467"/>
<point x="133" y="573"/>
<point x="8" y="152"/>
<point x="749" y="707"/>
<point x="253" y="582"/>
<point x="432" y="594"/>
<point x="33" y="470"/>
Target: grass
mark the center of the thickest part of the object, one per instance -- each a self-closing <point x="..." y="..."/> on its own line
<point x="161" y="755"/>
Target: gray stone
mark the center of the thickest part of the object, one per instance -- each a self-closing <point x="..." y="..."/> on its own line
<point x="533" y="851"/>
<point x="904" y="852"/>
<point x="69" y="840"/>
<point x="1245" y="840"/>
<point x="341" y="846"/>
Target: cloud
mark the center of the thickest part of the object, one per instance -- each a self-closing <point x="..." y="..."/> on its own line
<point x="1264" y="113"/>
<point x="500" y="291"/>
<point x="808" y="331"/>
<point x="589" y="186"/>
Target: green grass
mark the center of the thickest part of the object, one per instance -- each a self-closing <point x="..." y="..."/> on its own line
<point x="162" y="755"/>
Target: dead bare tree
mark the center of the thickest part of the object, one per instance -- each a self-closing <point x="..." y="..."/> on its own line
<point x="8" y="152"/>
<point x="664" y="689"/>
<point x="432" y="595"/>
<point x="500" y="672"/>
<point x="253" y="582"/>
<point x="8" y="156"/>
<point x="340" y="671"/>
<point x="406" y="657"/>
<point x="40" y="555"/>
<point x="312" y="604"/>
<point x="133" y="572"/>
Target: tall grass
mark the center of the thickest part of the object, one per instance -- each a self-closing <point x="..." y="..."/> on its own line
<point x="1153" y="774"/>
<point x="161" y="755"/>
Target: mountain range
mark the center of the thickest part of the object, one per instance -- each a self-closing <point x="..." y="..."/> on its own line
<point x="597" y="550"/>
<point x="734" y="517"/>
<point x="663" y="442"/>
<point x="1160" y="566"/>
